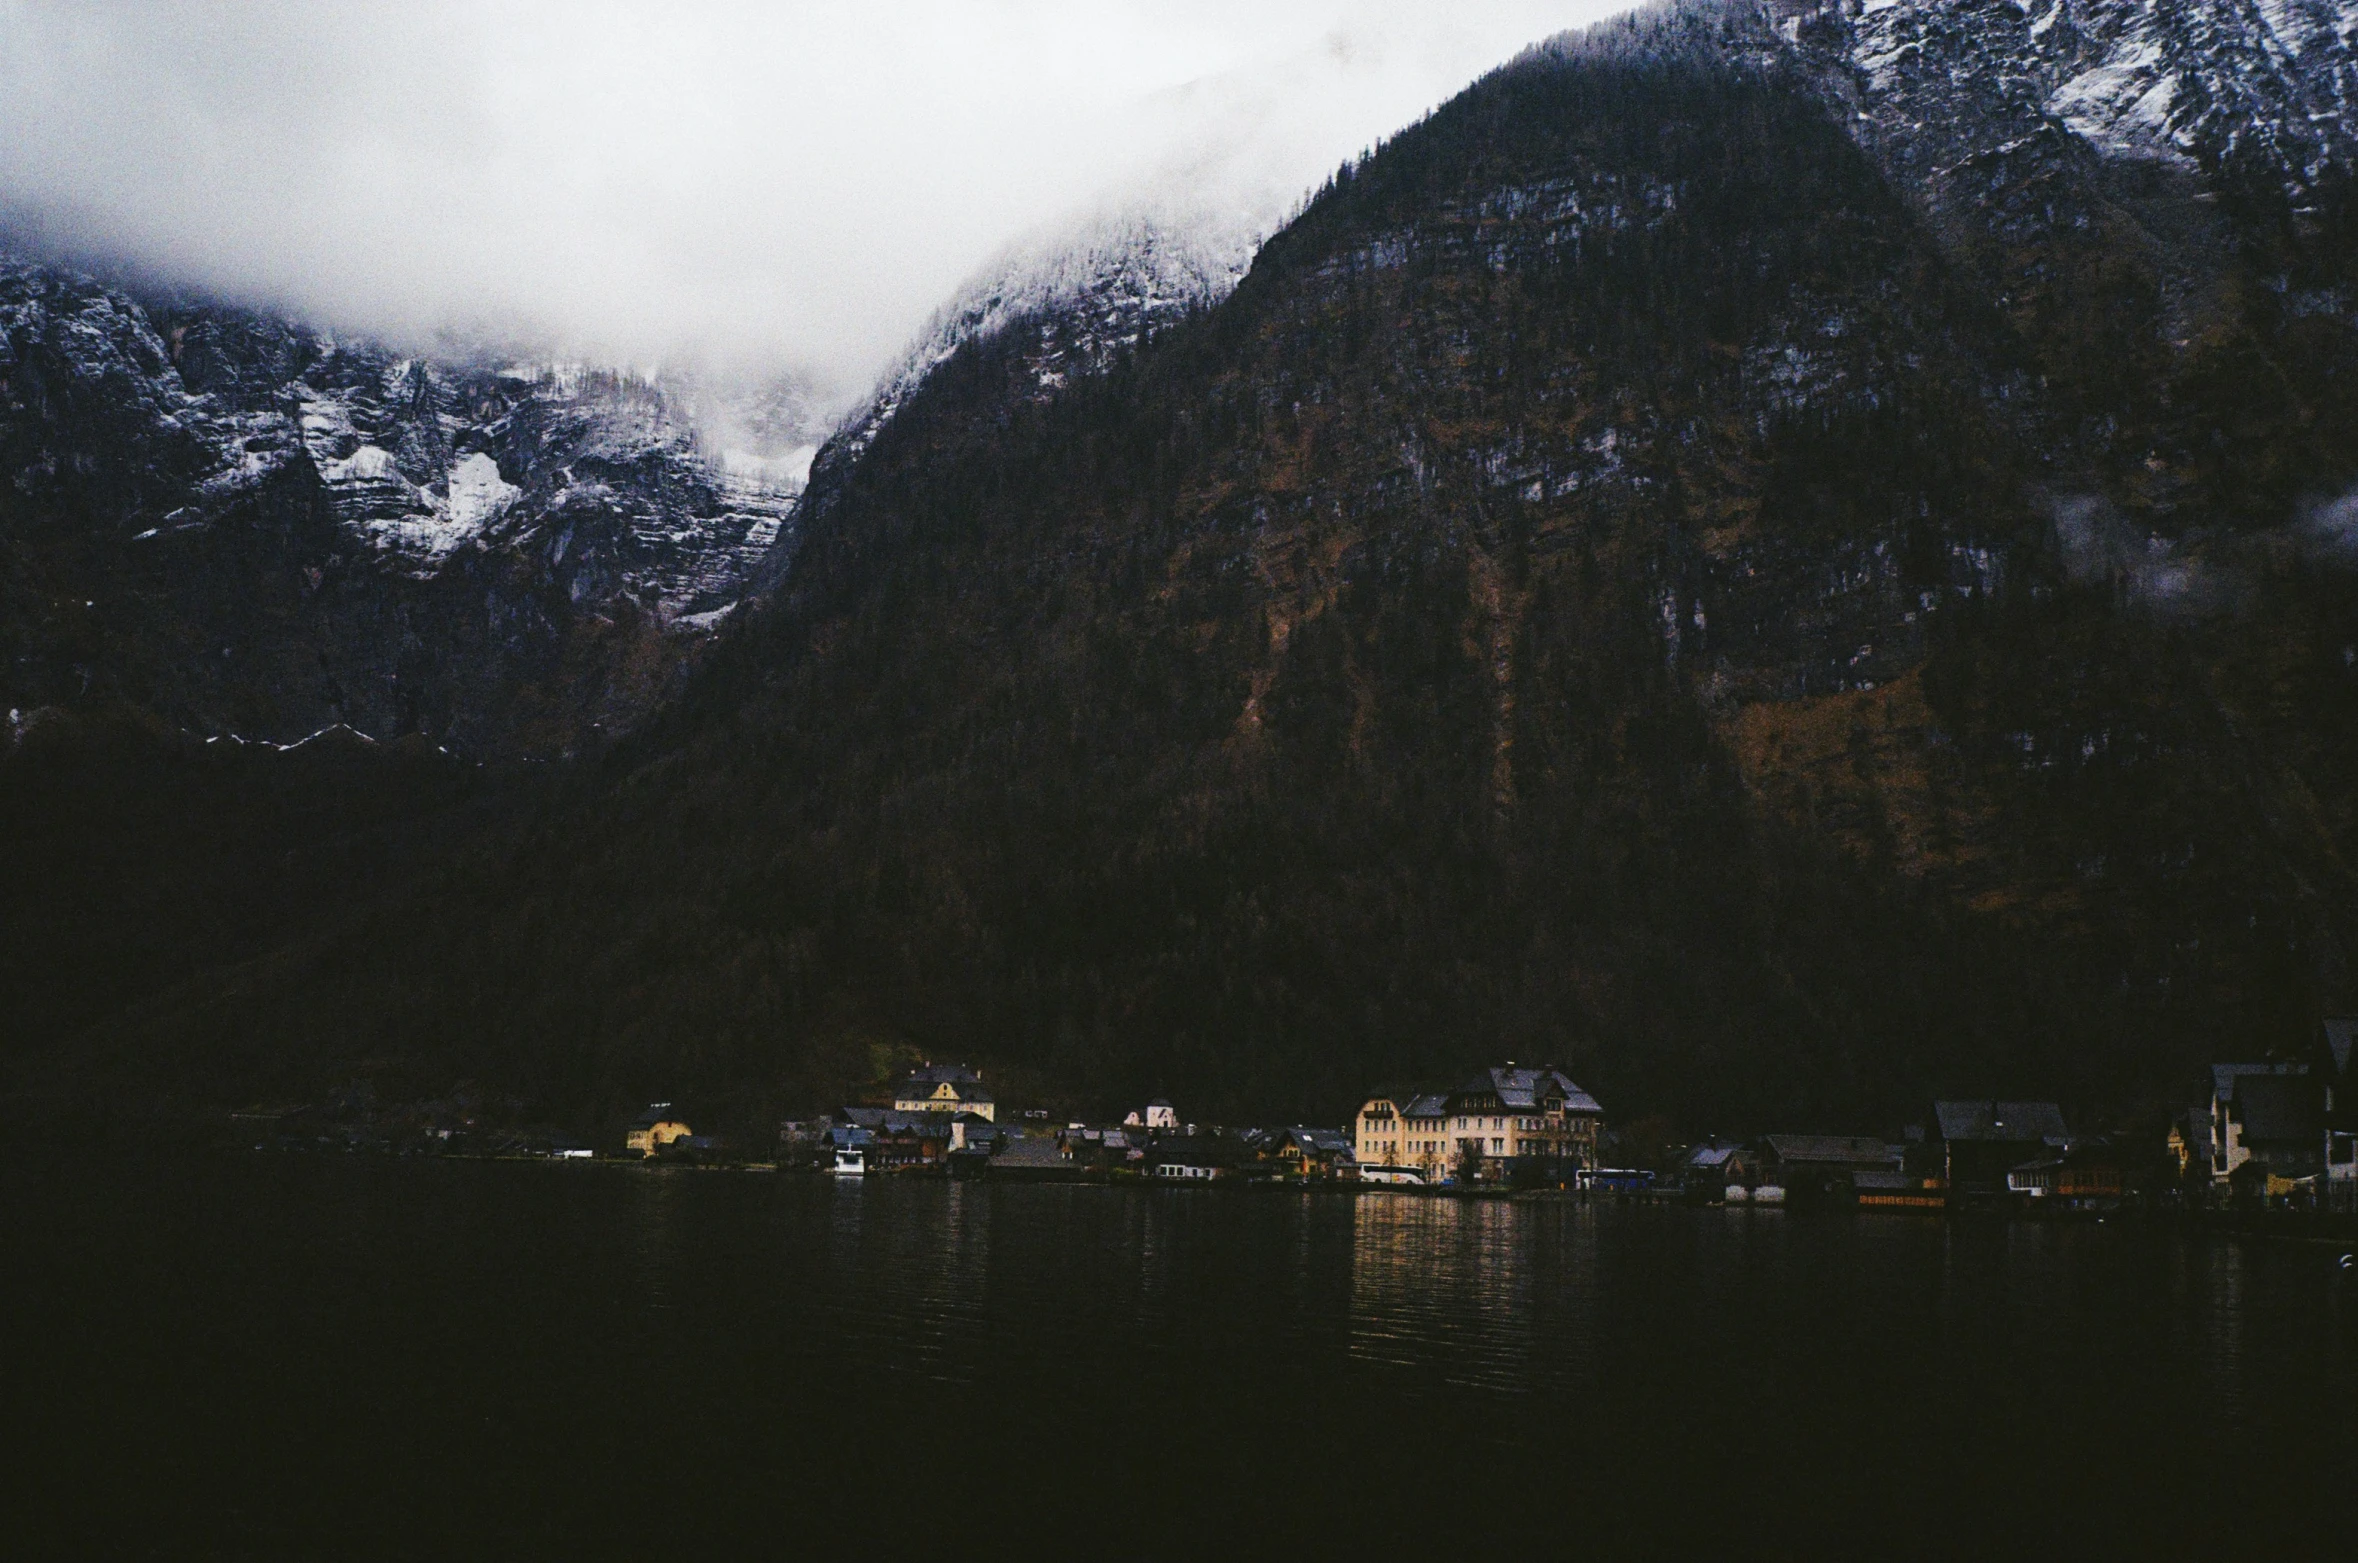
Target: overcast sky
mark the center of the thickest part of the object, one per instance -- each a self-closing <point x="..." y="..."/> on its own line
<point x="790" y="183"/>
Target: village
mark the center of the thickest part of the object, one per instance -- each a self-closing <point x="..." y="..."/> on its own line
<point x="2276" y="1133"/>
<point x="2272" y="1133"/>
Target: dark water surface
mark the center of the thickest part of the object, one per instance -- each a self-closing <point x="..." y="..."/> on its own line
<point x="316" y="1357"/>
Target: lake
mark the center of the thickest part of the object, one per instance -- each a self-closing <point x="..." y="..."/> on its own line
<point x="321" y="1357"/>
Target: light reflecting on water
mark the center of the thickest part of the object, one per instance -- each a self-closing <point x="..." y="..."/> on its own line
<point x="241" y="1356"/>
<point x="1455" y="1288"/>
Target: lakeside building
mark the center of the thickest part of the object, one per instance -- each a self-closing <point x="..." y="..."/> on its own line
<point x="2089" y="1173"/>
<point x="655" y="1129"/>
<point x="1312" y="1153"/>
<point x="2280" y="1127"/>
<point x="1814" y="1167"/>
<point x="1492" y="1122"/>
<point x="1410" y="1132"/>
<point x="1085" y="1146"/>
<point x="1978" y="1144"/>
<point x="1198" y="1158"/>
<point x="1707" y="1170"/>
<point x="2269" y="1126"/>
<point x="944" y="1088"/>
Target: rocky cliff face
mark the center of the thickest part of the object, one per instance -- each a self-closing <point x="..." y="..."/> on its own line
<point x="242" y="525"/>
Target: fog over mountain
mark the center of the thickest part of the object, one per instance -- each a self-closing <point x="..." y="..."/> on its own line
<point x="776" y="185"/>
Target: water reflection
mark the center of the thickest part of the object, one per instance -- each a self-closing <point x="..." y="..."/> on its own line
<point x="1450" y="1286"/>
<point x="654" y="1249"/>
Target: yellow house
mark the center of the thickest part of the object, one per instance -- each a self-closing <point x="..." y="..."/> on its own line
<point x="1407" y="1132"/>
<point x="655" y="1128"/>
<point x="945" y="1088"/>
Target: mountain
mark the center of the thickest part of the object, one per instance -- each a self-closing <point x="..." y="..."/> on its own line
<point x="239" y="525"/>
<point x="1075" y="299"/>
<point x="1787" y="558"/>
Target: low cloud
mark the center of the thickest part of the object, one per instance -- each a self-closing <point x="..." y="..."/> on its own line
<point x="2332" y="527"/>
<point x="788" y="185"/>
<point x="2098" y="544"/>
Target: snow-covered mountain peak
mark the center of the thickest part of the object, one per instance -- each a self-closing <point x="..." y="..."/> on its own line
<point x="1079" y="296"/>
<point x="2237" y="89"/>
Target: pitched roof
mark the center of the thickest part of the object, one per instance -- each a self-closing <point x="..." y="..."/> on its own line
<point x="657" y="1112"/>
<point x="1432" y="1104"/>
<point x="1829" y="1148"/>
<point x="2284" y="1108"/>
<point x="2009" y="1122"/>
<point x="2224" y="1076"/>
<point x="1527" y="1090"/>
<point x="926" y="1080"/>
<point x="2340" y="1032"/>
<point x="1031" y="1150"/>
<point x="886" y="1120"/>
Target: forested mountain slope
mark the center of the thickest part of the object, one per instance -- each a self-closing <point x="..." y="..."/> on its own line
<point x="1639" y="574"/>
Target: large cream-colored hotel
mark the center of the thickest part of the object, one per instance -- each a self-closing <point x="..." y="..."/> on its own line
<point x="1499" y="1115"/>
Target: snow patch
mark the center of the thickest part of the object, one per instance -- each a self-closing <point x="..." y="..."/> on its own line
<point x="369" y="464"/>
<point x="478" y="494"/>
<point x="2122" y="106"/>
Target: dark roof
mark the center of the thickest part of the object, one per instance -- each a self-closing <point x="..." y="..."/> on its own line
<point x="1031" y="1150"/>
<point x="1713" y="1155"/>
<point x="2340" y="1032"/>
<point x="885" y="1120"/>
<point x="2286" y="1109"/>
<point x="2026" y="1123"/>
<point x="922" y="1082"/>
<point x="1328" y="1141"/>
<point x="657" y="1112"/>
<point x="1432" y="1104"/>
<point x="1841" y="1148"/>
<point x="1526" y="1090"/>
<point x="2224" y="1076"/>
